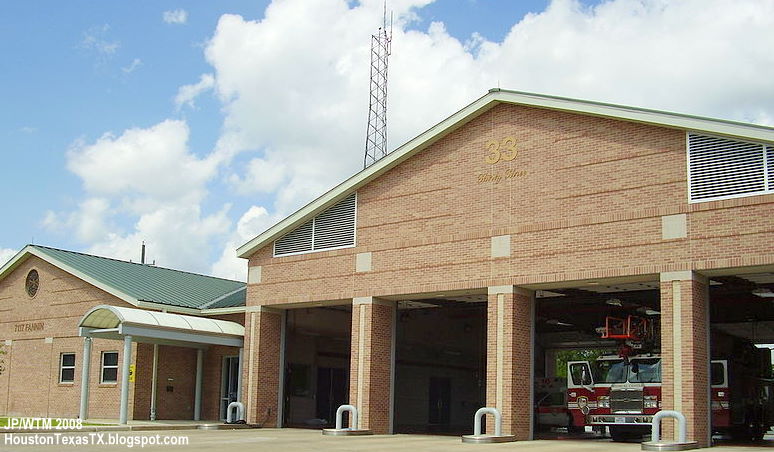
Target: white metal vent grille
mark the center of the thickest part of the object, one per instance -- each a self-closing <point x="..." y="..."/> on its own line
<point x="334" y="228"/>
<point x="720" y="168"/>
<point x="297" y="241"/>
<point x="770" y="164"/>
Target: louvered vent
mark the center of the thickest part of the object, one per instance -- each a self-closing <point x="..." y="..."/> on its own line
<point x="770" y="164"/>
<point x="334" y="228"/>
<point x="722" y="168"/>
<point x="298" y="241"/>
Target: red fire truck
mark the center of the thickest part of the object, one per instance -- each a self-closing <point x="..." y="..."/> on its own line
<point x="623" y="391"/>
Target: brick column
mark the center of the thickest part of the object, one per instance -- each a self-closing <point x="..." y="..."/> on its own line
<point x="509" y="363"/>
<point x="371" y="367"/>
<point x="685" y="352"/>
<point x="261" y="371"/>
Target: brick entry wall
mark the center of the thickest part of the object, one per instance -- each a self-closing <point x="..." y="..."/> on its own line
<point x="371" y="363"/>
<point x="509" y="359"/>
<point x="261" y="370"/>
<point x="685" y="377"/>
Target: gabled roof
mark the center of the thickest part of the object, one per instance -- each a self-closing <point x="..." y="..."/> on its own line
<point x="139" y="284"/>
<point x="492" y="98"/>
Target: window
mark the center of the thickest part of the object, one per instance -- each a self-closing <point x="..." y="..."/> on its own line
<point x="67" y="368"/>
<point x="109" y="372"/>
<point x="332" y="229"/>
<point x="579" y="372"/>
<point x="717" y="374"/>
<point x="32" y="283"/>
<point x="721" y="168"/>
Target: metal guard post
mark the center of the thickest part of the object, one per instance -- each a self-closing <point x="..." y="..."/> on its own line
<point x="682" y="442"/>
<point x="240" y="409"/>
<point x="352" y="429"/>
<point x="498" y="436"/>
<point x="352" y="417"/>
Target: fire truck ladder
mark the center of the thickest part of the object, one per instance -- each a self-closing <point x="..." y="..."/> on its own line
<point x="632" y="328"/>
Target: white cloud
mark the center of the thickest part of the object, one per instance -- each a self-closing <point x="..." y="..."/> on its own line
<point x="262" y="175"/>
<point x="95" y="38"/>
<point x="186" y="94"/>
<point x="150" y="177"/>
<point x="154" y="162"/>
<point x="133" y="66"/>
<point x="252" y="223"/>
<point x="177" y="236"/>
<point x="89" y="221"/>
<point x="178" y="16"/>
<point x="6" y="254"/>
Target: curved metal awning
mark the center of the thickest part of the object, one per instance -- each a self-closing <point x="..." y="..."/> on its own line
<point x="115" y="322"/>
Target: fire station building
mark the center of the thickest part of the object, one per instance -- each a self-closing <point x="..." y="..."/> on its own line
<point x="445" y="277"/>
<point x="69" y="320"/>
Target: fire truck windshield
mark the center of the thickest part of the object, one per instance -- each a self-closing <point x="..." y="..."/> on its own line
<point x="637" y="371"/>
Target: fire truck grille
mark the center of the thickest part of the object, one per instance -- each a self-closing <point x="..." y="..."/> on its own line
<point x="626" y="401"/>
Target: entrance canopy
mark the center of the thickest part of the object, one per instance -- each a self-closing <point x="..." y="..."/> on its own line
<point x="114" y="322"/>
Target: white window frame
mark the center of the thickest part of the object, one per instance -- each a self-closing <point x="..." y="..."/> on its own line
<point x="766" y="182"/>
<point x="62" y="367"/>
<point x="102" y="368"/>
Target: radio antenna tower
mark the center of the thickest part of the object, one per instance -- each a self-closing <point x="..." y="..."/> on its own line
<point x="376" y="135"/>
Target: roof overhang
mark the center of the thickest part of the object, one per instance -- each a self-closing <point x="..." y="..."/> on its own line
<point x="116" y="322"/>
<point x="492" y="98"/>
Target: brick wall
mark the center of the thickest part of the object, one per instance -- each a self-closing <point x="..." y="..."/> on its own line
<point x="685" y="377"/>
<point x="260" y="372"/>
<point x="371" y="363"/>
<point x="30" y="386"/>
<point x="589" y="206"/>
<point x="509" y="361"/>
<point x="586" y="201"/>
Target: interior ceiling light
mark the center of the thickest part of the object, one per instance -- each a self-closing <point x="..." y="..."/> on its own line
<point x="614" y="302"/>
<point x="763" y="293"/>
<point x="557" y="322"/>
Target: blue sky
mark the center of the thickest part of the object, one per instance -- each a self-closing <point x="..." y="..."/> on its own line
<point x="195" y="125"/>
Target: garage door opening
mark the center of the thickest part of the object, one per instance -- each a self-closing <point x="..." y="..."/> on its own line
<point x="440" y="376"/>
<point x="741" y="309"/>
<point x="597" y="349"/>
<point x="317" y="360"/>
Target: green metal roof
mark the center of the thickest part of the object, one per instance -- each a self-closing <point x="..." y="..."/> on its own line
<point x="149" y="283"/>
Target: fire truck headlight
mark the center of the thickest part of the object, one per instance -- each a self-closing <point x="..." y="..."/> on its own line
<point x="603" y="402"/>
<point x="651" y="402"/>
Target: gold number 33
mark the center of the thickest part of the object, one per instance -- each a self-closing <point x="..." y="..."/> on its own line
<point x="505" y="150"/>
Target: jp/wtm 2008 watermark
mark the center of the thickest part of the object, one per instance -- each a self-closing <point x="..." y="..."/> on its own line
<point x="43" y="423"/>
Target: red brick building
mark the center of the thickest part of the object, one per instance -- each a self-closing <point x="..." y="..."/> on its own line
<point x="442" y="274"/>
<point x="51" y="300"/>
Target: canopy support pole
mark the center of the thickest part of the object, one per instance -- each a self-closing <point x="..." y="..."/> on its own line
<point x="85" y="371"/>
<point x="123" y="416"/>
